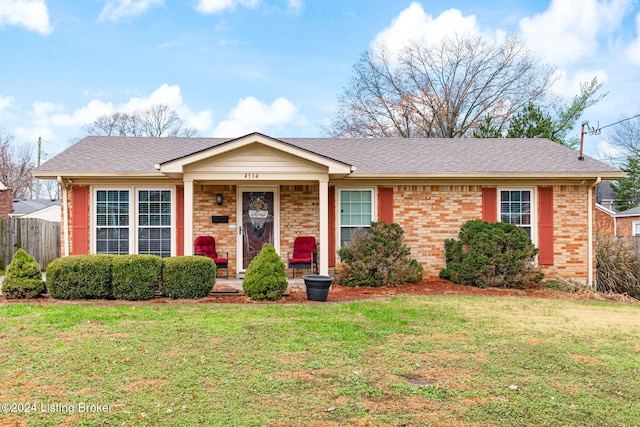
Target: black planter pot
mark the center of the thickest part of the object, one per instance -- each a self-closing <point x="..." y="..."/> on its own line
<point x="317" y="286"/>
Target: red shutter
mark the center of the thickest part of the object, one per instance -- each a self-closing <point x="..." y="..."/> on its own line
<point x="80" y="220"/>
<point x="489" y="204"/>
<point x="545" y="225"/>
<point x="179" y="221"/>
<point x="385" y="205"/>
<point x="332" y="226"/>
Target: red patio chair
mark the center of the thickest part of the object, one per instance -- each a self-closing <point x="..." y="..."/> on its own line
<point x="304" y="254"/>
<point x="206" y="246"/>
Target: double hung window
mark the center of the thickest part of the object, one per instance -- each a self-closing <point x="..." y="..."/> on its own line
<point x="356" y="211"/>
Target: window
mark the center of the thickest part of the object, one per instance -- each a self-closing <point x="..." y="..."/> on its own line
<point x="146" y="221"/>
<point x="515" y="208"/>
<point x="356" y="207"/>
<point x="154" y="222"/>
<point x="112" y="222"/>
<point x="636" y="228"/>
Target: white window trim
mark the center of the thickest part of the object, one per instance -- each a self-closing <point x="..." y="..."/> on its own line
<point x="633" y="228"/>
<point x="133" y="215"/>
<point x="534" y="209"/>
<point x="172" y="193"/>
<point x="94" y="215"/>
<point x="374" y="208"/>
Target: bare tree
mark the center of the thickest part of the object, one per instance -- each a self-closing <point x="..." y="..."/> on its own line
<point x="625" y="136"/>
<point x="439" y="90"/>
<point x="158" y="120"/>
<point x="16" y="164"/>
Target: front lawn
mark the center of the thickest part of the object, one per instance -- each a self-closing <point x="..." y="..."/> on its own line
<point x="407" y="361"/>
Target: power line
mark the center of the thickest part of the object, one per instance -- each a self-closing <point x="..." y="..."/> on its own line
<point x="598" y="130"/>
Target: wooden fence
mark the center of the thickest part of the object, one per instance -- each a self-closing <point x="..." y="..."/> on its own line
<point x="39" y="238"/>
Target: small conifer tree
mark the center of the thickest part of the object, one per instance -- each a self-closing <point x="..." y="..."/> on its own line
<point x="24" y="277"/>
<point x="266" y="277"/>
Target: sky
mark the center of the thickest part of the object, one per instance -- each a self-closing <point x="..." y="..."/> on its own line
<point x="232" y="67"/>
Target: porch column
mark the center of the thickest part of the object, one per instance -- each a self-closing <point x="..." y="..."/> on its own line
<point x="324" y="226"/>
<point x="188" y="217"/>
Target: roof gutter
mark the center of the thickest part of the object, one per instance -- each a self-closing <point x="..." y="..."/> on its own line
<point x="65" y="214"/>
<point x="590" y="280"/>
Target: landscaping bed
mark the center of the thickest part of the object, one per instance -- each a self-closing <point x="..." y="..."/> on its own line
<point x="340" y="294"/>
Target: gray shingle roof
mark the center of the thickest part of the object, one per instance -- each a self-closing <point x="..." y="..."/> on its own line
<point x="106" y="154"/>
<point x="27" y="206"/>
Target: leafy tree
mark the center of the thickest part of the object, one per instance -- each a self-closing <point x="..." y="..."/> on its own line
<point x="627" y="189"/>
<point x="554" y="123"/>
<point x="439" y="90"/>
<point x="158" y="120"/>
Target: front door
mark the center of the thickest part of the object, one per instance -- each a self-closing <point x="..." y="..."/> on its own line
<point x="258" y="210"/>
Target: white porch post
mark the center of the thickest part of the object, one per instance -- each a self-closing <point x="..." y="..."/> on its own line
<point x="188" y="217"/>
<point x="324" y="227"/>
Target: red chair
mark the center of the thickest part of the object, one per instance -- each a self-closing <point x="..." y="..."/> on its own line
<point x="206" y="246"/>
<point x="304" y="254"/>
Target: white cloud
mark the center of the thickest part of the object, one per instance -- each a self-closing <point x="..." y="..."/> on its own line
<point x="115" y="10"/>
<point x="568" y="30"/>
<point x="295" y="6"/>
<point x="253" y="115"/>
<point x="32" y="14"/>
<point x="49" y="119"/>
<point x="6" y="103"/>
<point x="633" y="51"/>
<point x="217" y="6"/>
<point x="413" y="23"/>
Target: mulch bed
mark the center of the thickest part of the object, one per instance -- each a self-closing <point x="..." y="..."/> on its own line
<point x="340" y="294"/>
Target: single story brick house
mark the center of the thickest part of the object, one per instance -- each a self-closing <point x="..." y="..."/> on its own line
<point x="156" y="195"/>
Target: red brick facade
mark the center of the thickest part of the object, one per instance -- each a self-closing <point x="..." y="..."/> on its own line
<point x="6" y="202"/>
<point x="428" y="214"/>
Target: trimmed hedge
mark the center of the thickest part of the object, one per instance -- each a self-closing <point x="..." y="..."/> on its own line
<point x="188" y="276"/>
<point x="490" y="254"/>
<point x="378" y="256"/>
<point x="80" y="277"/>
<point x="135" y="277"/>
<point x="23" y="278"/>
<point x="266" y="277"/>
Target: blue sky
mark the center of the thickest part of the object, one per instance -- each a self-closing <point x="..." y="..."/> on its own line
<point x="230" y="67"/>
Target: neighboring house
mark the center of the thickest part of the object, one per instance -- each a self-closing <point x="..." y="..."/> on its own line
<point x="6" y="197"/>
<point x="609" y="219"/>
<point x="46" y="209"/>
<point x="156" y="195"/>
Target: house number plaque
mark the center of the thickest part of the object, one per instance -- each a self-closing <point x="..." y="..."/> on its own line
<point x="251" y="175"/>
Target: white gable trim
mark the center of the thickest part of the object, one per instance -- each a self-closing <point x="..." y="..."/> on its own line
<point x="177" y="166"/>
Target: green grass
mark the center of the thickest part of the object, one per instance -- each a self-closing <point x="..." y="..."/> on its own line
<point x="406" y="361"/>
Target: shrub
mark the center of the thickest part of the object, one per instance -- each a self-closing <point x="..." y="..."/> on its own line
<point x="135" y="277"/>
<point x="188" y="276"/>
<point x="80" y="277"/>
<point x="266" y="277"/>
<point x="24" y="277"/>
<point x="617" y="266"/>
<point x="490" y="254"/>
<point x="377" y="257"/>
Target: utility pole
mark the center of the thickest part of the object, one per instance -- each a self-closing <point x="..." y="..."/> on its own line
<point x="38" y="164"/>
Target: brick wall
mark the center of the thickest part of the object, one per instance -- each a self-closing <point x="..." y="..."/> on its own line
<point x="604" y="223"/>
<point x="429" y="214"/>
<point x="299" y="215"/>
<point x="6" y="203"/>
<point x="204" y="202"/>
<point x="624" y="226"/>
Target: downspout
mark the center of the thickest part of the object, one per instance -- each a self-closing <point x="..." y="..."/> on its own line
<point x="590" y="281"/>
<point x="65" y="215"/>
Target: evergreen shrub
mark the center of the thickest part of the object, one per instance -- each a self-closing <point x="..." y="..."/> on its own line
<point x="188" y="277"/>
<point x="135" y="277"/>
<point x="266" y="277"/>
<point x="377" y="257"/>
<point x="80" y="277"/>
<point x="490" y="254"/>
<point x="23" y="278"/>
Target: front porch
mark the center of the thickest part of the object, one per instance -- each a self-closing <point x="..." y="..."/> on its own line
<point x="233" y="286"/>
